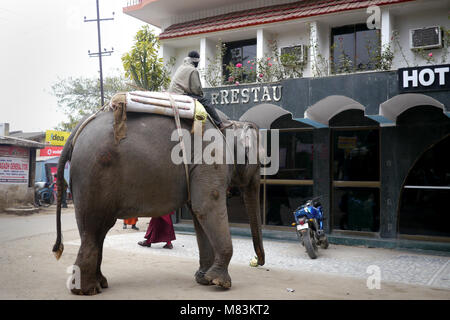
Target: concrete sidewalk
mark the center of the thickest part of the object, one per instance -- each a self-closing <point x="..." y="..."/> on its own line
<point x="394" y="265"/>
<point x="29" y="270"/>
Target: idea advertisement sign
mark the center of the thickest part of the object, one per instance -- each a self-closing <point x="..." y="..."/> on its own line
<point x="56" y="138"/>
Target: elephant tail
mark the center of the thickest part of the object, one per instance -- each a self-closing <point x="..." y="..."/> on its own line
<point x="58" y="248"/>
<point x="66" y="155"/>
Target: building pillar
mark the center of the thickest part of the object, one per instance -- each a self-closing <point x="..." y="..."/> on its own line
<point x="386" y="29"/>
<point x="319" y="56"/>
<point x="262" y="43"/>
<point x="165" y="52"/>
<point x="207" y="51"/>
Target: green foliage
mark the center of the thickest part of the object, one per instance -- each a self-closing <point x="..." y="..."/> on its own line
<point x="213" y="73"/>
<point x="77" y="97"/>
<point x="272" y="67"/>
<point x="142" y="65"/>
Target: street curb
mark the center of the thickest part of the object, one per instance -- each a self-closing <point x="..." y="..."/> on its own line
<point x="21" y="211"/>
<point x="428" y="247"/>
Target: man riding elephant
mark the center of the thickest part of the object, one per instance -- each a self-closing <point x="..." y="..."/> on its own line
<point x="187" y="81"/>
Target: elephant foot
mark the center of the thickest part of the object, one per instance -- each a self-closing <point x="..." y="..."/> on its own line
<point x="200" y="278"/>
<point x="103" y="282"/>
<point x="219" y="277"/>
<point x="89" y="291"/>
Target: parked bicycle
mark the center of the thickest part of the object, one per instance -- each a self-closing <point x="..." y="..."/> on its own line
<point x="44" y="194"/>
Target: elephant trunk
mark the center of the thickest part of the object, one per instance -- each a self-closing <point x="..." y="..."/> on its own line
<point x="251" y="200"/>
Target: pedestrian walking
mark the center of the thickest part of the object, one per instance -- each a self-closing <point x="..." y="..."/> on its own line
<point x="132" y="222"/>
<point x="160" y="229"/>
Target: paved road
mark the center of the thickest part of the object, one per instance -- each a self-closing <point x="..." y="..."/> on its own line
<point x="29" y="270"/>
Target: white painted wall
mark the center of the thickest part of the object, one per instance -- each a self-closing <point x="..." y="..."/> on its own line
<point x="403" y="24"/>
<point x="401" y="18"/>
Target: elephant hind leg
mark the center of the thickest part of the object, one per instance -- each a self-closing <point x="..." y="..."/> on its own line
<point x="101" y="279"/>
<point x="87" y="262"/>
<point x="206" y="253"/>
<point x="214" y="222"/>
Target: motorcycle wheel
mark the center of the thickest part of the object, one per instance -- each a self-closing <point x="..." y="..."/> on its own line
<point x="324" y="244"/>
<point x="310" y="244"/>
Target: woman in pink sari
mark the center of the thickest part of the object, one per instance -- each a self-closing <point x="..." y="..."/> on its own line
<point x="160" y="229"/>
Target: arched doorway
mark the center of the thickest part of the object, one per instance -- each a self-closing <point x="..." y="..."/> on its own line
<point x="424" y="204"/>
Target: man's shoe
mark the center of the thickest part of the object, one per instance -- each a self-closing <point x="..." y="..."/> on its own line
<point x="225" y="124"/>
<point x="134" y="227"/>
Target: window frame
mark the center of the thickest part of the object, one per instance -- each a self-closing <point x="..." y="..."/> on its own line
<point x="351" y="29"/>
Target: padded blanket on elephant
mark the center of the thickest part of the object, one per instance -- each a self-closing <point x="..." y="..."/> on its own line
<point x="153" y="102"/>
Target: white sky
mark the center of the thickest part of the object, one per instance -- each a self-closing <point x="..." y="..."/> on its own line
<point x="46" y="39"/>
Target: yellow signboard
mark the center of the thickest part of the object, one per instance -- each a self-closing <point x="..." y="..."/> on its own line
<point x="56" y="138"/>
<point x="347" y="142"/>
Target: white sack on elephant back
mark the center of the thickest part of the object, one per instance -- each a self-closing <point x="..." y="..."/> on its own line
<point x="159" y="103"/>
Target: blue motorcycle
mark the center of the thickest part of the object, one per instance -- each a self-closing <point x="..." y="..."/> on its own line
<point x="44" y="194"/>
<point x="309" y="226"/>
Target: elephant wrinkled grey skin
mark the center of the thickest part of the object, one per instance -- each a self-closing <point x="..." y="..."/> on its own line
<point x="137" y="178"/>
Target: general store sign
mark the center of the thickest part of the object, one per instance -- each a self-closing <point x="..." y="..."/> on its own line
<point x="56" y="138"/>
<point x="14" y="165"/>
<point x="422" y="79"/>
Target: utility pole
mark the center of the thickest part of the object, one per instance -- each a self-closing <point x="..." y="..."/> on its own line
<point x="100" y="53"/>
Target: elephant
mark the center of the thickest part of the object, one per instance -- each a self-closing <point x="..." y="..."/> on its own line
<point x="137" y="178"/>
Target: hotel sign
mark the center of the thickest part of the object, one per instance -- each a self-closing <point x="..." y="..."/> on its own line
<point x="422" y="79"/>
<point x="247" y="95"/>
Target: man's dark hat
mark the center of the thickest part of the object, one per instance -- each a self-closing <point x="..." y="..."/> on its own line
<point x="193" y="54"/>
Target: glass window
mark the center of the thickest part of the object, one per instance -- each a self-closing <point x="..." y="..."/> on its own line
<point x="355" y="48"/>
<point x="356" y="155"/>
<point x="240" y="52"/>
<point x="356" y="209"/>
<point x="281" y="201"/>
<point x="296" y="155"/>
<point x="424" y="201"/>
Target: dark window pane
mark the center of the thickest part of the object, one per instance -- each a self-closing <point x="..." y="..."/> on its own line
<point x="355" y="47"/>
<point x="356" y="209"/>
<point x="240" y="52"/>
<point x="367" y="49"/>
<point x="356" y="155"/>
<point x="433" y="168"/>
<point x="282" y="201"/>
<point x="425" y="212"/>
<point x="344" y="52"/>
<point x="296" y="156"/>
<point x="424" y="201"/>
